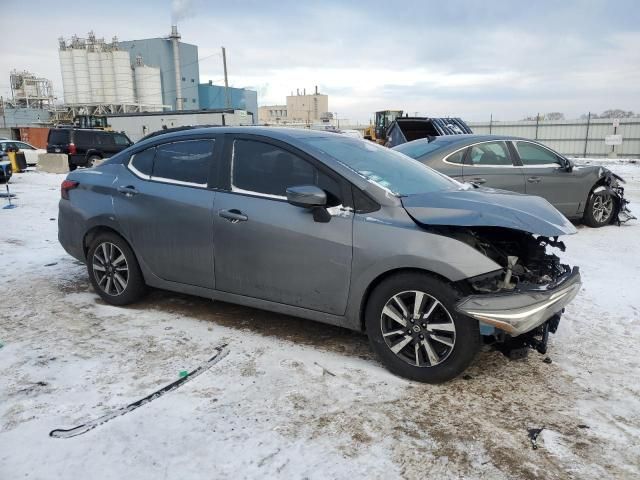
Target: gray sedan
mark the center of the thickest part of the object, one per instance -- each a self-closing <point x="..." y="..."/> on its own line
<point x="589" y="193"/>
<point x="325" y="227"/>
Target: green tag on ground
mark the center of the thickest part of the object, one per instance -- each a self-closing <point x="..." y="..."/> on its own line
<point x="183" y="373"/>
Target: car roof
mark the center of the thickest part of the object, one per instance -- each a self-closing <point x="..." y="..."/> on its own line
<point x="291" y="135"/>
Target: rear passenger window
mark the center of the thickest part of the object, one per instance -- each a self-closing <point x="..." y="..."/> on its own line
<point x="185" y="162"/>
<point x="142" y="162"/>
<point x="263" y="168"/>
<point x="490" y="153"/>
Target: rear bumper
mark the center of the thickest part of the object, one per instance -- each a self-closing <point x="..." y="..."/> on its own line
<point x="70" y="234"/>
<point x="519" y="312"/>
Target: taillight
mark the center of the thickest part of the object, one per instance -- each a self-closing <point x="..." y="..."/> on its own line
<point x="66" y="186"/>
<point x="72" y="148"/>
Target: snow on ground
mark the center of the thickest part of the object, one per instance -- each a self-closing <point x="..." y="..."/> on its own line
<point x="294" y="398"/>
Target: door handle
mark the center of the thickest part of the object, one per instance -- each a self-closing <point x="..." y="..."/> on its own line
<point x="478" y="180"/>
<point x="534" y="179"/>
<point x="233" y="215"/>
<point x="128" y="190"/>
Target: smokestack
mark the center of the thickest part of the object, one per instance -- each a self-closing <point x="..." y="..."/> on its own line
<point x="175" y="38"/>
<point x="316" y="89"/>
<point x="304" y="91"/>
<point x="297" y="91"/>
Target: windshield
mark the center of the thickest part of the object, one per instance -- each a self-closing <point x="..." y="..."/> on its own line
<point x="418" y="148"/>
<point x="390" y="170"/>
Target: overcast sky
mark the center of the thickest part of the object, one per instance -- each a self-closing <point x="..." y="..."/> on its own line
<point x="465" y="58"/>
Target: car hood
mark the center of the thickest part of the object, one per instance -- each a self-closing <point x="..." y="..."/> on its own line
<point x="485" y="207"/>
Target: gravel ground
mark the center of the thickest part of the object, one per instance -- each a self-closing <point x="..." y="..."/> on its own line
<point x="297" y="399"/>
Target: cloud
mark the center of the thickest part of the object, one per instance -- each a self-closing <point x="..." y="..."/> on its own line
<point x="459" y="57"/>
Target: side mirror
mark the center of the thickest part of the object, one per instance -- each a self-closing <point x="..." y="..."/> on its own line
<point x="568" y="166"/>
<point x="311" y="197"/>
<point x="306" y="196"/>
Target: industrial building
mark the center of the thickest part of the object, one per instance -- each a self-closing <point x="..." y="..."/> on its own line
<point x="272" y="114"/>
<point x="300" y="108"/>
<point x="179" y="70"/>
<point x="215" y="97"/>
<point x="307" y="108"/>
<point x="30" y="91"/>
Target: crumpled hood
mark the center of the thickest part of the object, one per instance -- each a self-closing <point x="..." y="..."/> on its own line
<point x="485" y="207"/>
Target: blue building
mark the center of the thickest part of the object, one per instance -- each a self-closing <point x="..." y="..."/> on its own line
<point x="158" y="52"/>
<point x="213" y="97"/>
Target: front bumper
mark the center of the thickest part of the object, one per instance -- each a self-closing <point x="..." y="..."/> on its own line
<point x="521" y="311"/>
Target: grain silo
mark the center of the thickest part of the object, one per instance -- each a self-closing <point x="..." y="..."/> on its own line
<point x="148" y="86"/>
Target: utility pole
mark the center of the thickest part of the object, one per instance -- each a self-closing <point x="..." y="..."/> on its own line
<point x="226" y="80"/>
<point x="4" y="120"/>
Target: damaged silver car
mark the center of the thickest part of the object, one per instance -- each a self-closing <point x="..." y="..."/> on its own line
<point x="329" y="228"/>
<point x="587" y="193"/>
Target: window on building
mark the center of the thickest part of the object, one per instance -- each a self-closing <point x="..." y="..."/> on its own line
<point x="188" y="161"/>
<point x="263" y="168"/>
<point x="193" y="100"/>
<point x="184" y="79"/>
<point x="192" y="80"/>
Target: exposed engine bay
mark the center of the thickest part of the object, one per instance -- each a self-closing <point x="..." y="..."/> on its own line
<point x="527" y="263"/>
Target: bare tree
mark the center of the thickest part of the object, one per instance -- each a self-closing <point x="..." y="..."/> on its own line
<point x="616" y="113"/>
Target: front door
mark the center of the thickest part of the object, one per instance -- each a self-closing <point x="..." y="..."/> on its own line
<point x="546" y="176"/>
<point x="166" y="209"/>
<point x="490" y="164"/>
<point x="269" y="249"/>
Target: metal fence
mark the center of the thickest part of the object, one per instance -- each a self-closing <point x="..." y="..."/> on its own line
<point x="574" y="138"/>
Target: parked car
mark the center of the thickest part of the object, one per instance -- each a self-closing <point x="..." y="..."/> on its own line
<point x="85" y="146"/>
<point x="30" y="152"/>
<point x="589" y="193"/>
<point x="325" y="227"/>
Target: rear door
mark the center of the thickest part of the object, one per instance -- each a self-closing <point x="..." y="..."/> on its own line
<point x="268" y="249"/>
<point x="546" y="176"/>
<point x="490" y="164"/>
<point x="164" y="202"/>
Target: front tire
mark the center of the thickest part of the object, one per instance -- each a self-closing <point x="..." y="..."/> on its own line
<point x="600" y="209"/>
<point x="114" y="271"/>
<point x="415" y="331"/>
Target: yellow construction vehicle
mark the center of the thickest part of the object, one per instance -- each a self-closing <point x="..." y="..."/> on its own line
<point x="377" y="132"/>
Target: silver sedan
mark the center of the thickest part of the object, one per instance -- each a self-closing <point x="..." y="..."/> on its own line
<point x="592" y="194"/>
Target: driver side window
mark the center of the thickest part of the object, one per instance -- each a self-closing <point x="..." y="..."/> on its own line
<point x="265" y="169"/>
<point x="532" y="154"/>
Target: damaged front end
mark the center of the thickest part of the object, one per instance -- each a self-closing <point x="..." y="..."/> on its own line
<point x="519" y="305"/>
<point x="612" y="184"/>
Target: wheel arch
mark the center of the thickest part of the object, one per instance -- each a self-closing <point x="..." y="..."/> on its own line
<point x="96" y="230"/>
<point x="389" y="274"/>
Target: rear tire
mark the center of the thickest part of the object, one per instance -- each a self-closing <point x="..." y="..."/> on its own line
<point x="429" y="343"/>
<point x="114" y="271"/>
<point x="601" y="207"/>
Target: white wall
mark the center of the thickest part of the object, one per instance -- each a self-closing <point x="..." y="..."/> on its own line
<point x="137" y="126"/>
<point x="569" y="137"/>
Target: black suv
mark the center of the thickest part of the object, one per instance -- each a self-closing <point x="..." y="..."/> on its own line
<point x="84" y="146"/>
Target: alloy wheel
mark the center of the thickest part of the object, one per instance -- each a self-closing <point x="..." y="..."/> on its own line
<point x="602" y="208"/>
<point x="418" y="328"/>
<point x="110" y="269"/>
